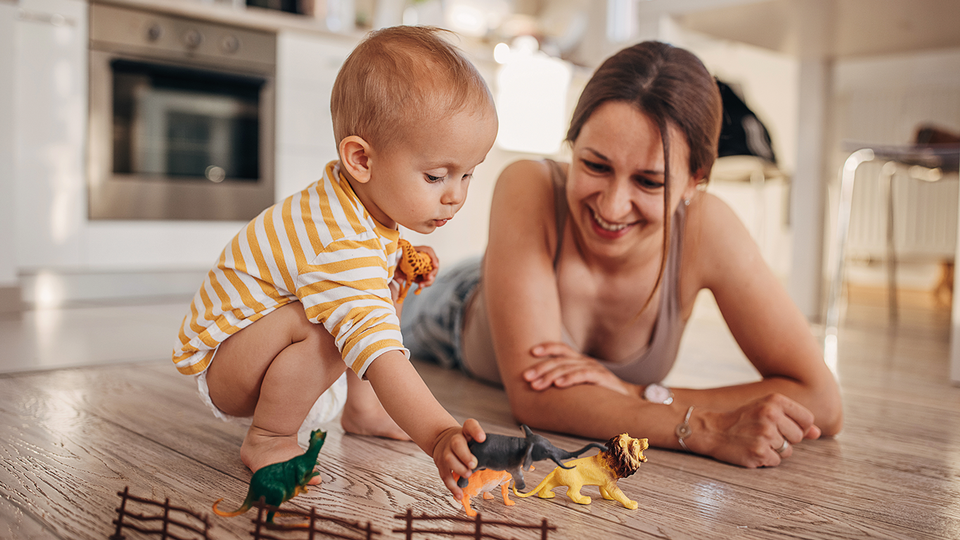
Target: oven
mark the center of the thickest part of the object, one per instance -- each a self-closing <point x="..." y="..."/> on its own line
<point x="181" y="117"/>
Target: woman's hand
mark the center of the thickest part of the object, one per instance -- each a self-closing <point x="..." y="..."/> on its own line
<point x="754" y="434"/>
<point x="564" y="367"/>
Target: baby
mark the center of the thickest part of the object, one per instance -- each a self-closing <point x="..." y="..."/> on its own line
<point x="299" y="318"/>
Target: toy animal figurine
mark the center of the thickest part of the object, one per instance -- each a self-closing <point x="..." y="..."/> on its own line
<point x="513" y="454"/>
<point x="280" y="482"/>
<point x="623" y="458"/>
<point x="414" y="265"/>
<point x="483" y="483"/>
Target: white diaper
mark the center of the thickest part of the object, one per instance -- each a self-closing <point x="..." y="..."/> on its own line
<point x="327" y="407"/>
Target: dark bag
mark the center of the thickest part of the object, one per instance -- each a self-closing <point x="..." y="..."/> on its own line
<point x="742" y="133"/>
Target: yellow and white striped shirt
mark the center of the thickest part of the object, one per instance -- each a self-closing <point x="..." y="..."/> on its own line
<point x="320" y="247"/>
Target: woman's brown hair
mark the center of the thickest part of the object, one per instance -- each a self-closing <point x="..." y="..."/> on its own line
<point x="673" y="88"/>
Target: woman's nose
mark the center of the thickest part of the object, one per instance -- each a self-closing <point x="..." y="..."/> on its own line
<point x="614" y="201"/>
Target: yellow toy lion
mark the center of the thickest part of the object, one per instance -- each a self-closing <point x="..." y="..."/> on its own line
<point x="623" y="457"/>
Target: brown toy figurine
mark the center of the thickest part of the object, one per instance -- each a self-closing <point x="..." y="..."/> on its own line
<point x="483" y="482"/>
<point x="622" y="458"/>
<point x="414" y="265"/>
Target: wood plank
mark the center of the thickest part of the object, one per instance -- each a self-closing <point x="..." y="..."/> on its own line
<point x="15" y="523"/>
<point x="66" y="466"/>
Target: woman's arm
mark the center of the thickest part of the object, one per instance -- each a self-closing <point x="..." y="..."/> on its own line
<point x="739" y="425"/>
<point x="524" y="310"/>
<point x="765" y="322"/>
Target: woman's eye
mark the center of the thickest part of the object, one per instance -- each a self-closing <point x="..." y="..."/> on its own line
<point x="647" y="183"/>
<point x="596" y="167"/>
<point x="434" y="179"/>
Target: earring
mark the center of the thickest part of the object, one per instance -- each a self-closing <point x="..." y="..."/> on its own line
<point x="686" y="202"/>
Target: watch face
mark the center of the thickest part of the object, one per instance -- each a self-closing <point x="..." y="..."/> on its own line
<point x="656" y="393"/>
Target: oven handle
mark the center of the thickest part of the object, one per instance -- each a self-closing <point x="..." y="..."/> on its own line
<point x="228" y="80"/>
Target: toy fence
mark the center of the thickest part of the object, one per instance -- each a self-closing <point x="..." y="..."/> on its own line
<point x="137" y="521"/>
<point x="313" y="519"/>
<point x="477" y="533"/>
<point x="354" y="531"/>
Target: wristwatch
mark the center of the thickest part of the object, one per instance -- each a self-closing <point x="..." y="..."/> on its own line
<point x="657" y="393"/>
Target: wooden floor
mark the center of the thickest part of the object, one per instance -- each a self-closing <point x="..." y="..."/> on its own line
<point x="72" y="438"/>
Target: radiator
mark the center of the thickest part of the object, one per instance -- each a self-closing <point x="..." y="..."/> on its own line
<point x="925" y="216"/>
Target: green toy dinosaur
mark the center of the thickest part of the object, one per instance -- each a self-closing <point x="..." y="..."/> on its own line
<point x="280" y="482"/>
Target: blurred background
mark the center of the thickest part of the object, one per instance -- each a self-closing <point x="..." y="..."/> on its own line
<point x="137" y="137"/>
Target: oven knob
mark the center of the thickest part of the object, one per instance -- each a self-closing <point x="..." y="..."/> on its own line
<point x="154" y="31"/>
<point x="215" y="174"/>
<point x="192" y="38"/>
<point x="230" y="44"/>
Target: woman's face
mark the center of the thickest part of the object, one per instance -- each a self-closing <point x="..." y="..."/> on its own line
<point x="616" y="181"/>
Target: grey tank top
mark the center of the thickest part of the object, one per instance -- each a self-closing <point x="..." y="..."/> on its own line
<point x="649" y="364"/>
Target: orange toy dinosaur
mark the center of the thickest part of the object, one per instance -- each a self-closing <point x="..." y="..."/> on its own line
<point x="414" y="265"/>
<point x="483" y="482"/>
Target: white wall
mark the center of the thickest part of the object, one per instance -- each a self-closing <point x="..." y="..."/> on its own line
<point x="8" y="266"/>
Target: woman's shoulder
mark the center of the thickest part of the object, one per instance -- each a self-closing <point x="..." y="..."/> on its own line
<point x="713" y="210"/>
<point x="715" y="237"/>
<point x="527" y="182"/>
<point x="524" y="200"/>
<point x="530" y="171"/>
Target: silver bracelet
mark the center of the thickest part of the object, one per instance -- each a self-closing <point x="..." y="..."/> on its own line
<point x="684" y="430"/>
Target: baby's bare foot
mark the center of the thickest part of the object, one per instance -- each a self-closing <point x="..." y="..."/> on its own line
<point x="259" y="450"/>
<point x="371" y="421"/>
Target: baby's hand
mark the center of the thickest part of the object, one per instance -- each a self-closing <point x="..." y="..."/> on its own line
<point x="427" y="279"/>
<point x="452" y="455"/>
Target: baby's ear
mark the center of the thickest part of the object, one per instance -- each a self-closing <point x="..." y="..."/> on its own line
<point x="355" y="158"/>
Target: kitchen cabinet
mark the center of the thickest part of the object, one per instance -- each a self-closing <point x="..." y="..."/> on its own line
<point x="49" y="79"/>
<point x="307" y="65"/>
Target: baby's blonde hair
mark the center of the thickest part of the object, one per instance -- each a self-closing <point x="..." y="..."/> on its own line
<point x="398" y="77"/>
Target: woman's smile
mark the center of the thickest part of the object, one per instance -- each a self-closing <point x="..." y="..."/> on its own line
<point x="606" y="229"/>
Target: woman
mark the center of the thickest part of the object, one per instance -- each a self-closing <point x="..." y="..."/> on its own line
<point x="591" y="273"/>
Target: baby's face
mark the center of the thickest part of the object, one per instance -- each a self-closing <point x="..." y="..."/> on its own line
<point x="421" y="181"/>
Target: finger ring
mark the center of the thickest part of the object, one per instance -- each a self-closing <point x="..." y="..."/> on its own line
<point x="783" y="447"/>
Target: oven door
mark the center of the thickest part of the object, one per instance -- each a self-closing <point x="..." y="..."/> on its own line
<point x="171" y="140"/>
